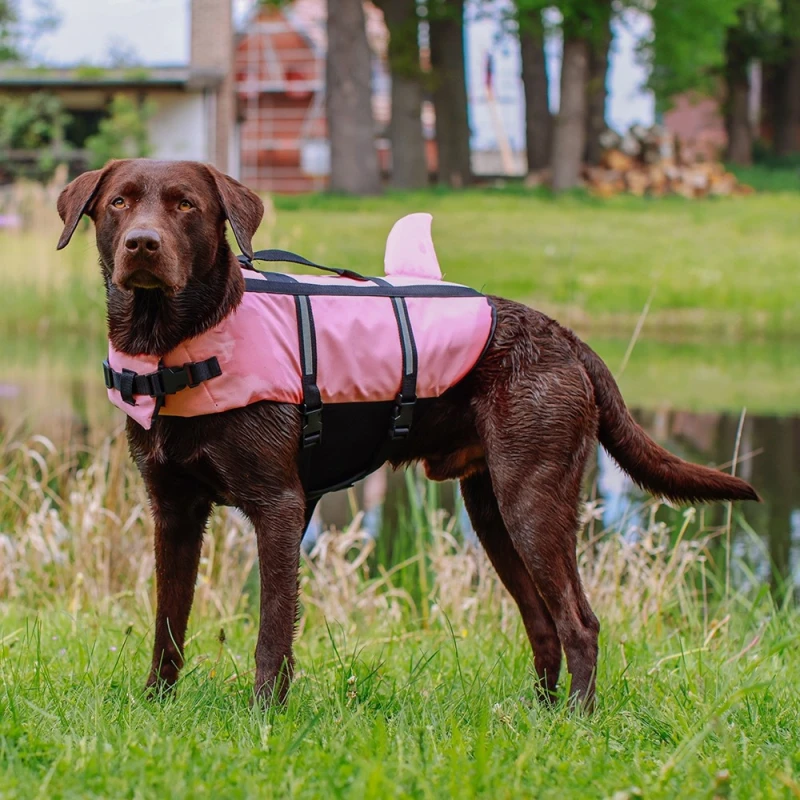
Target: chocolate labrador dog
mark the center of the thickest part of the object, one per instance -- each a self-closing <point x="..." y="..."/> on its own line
<point x="516" y="432"/>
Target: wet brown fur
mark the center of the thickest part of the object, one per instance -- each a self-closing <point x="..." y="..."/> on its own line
<point x="517" y="431"/>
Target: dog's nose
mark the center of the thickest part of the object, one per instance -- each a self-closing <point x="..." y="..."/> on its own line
<point x="142" y="240"/>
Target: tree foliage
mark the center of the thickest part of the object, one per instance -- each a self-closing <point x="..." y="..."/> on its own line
<point x="686" y="46"/>
<point x="19" y="32"/>
<point x="34" y="124"/>
<point x="123" y="134"/>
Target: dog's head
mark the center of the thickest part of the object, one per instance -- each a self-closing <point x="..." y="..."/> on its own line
<point x="159" y="223"/>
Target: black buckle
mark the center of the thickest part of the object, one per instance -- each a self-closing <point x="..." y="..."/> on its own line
<point x="402" y="417"/>
<point x="312" y="426"/>
<point x="108" y="375"/>
<point x="170" y="380"/>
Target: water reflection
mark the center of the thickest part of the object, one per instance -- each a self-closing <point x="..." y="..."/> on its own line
<point x="60" y="395"/>
<point x="766" y="537"/>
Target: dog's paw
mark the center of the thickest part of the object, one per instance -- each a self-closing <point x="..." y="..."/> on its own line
<point x="159" y="688"/>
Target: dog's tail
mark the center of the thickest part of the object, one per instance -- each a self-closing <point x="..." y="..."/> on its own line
<point x="651" y="466"/>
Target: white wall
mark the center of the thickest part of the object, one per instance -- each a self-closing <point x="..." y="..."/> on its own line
<point x="487" y="32"/>
<point x="179" y="128"/>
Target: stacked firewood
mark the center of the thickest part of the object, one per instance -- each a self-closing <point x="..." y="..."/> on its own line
<point x="648" y="161"/>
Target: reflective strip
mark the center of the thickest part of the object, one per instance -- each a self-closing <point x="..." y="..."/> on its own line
<point x="305" y="329"/>
<point x="405" y="334"/>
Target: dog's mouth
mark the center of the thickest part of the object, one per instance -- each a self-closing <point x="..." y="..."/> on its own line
<point x="144" y="279"/>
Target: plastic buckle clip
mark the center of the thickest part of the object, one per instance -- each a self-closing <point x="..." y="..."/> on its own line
<point x="312" y="426"/>
<point x="402" y="417"/>
<point x="170" y="380"/>
<point x="108" y="375"/>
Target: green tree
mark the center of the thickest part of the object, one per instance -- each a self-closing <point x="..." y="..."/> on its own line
<point x="597" y="92"/>
<point x="709" y="45"/>
<point x="686" y="48"/>
<point x="35" y="126"/>
<point x="786" y="115"/>
<point x="756" y="35"/>
<point x="8" y="19"/>
<point x="585" y="26"/>
<point x="409" y="167"/>
<point x="446" y="26"/>
<point x="20" y="32"/>
<point x="348" y="101"/>
<point x="538" y="119"/>
<point x="123" y="134"/>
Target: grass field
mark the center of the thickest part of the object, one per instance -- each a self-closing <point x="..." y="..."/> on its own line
<point x="724" y="267"/>
<point x="414" y="677"/>
<point x="687" y="710"/>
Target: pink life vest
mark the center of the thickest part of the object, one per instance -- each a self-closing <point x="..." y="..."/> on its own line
<point x="312" y="341"/>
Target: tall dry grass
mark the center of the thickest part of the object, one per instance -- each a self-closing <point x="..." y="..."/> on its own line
<point x="75" y="530"/>
<point x="48" y="293"/>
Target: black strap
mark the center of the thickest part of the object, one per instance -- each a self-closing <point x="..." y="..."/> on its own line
<point x="370" y="288"/>
<point x="162" y="382"/>
<point x="293" y="258"/>
<point x="403" y="413"/>
<point x="312" y="400"/>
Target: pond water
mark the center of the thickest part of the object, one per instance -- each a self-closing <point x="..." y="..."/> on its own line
<point x="689" y="397"/>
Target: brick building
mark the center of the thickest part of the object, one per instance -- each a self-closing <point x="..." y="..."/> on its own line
<point x="280" y="83"/>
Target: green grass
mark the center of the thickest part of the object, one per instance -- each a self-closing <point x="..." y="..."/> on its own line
<point x="778" y="176"/>
<point x="407" y="712"/>
<point x="696" y="698"/>
<point x="706" y="376"/>
<point x="725" y="267"/>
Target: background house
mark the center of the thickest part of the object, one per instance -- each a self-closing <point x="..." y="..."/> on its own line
<point x="249" y="96"/>
<point x="195" y="108"/>
<point x="280" y="83"/>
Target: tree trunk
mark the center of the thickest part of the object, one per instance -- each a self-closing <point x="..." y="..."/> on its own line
<point x="450" y="91"/>
<point x="409" y="167"/>
<point x="597" y="89"/>
<point x="737" y="104"/>
<point x="787" y="105"/>
<point x="788" y="108"/>
<point x="354" y="159"/>
<point x="570" y="128"/>
<point x="538" y="120"/>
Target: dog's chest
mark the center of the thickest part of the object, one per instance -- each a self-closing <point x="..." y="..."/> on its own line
<point x="185" y="447"/>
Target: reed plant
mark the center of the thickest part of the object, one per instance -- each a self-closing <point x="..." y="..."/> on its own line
<point x="414" y="676"/>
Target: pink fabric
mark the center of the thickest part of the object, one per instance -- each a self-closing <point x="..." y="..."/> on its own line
<point x="145" y="407"/>
<point x="359" y="355"/>
<point x="409" y="248"/>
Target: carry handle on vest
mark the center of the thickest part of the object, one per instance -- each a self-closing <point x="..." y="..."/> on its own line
<point x="293" y="258"/>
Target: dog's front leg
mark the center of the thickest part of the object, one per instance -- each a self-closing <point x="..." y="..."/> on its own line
<point x="180" y="512"/>
<point x="279" y="524"/>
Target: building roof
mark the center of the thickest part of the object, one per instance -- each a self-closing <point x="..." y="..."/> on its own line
<point x="91" y="77"/>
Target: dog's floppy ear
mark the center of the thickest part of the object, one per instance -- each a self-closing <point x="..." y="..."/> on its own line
<point x="75" y="199"/>
<point x="243" y="208"/>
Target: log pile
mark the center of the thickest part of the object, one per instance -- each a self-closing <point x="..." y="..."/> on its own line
<point x="647" y="161"/>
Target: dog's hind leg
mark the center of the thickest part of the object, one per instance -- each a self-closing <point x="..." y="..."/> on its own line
<point x="180" y="511"/>
<point x="536" y="451"/>
<point x="481" y="504"/>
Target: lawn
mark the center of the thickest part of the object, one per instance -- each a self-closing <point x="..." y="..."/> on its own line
<point x="414" y="678"/>
<point x="685" y="711"/>
<point x="414" y="674"/>
<point x="725" y="267"/>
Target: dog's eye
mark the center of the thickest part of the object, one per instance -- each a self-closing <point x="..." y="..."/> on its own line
<point x="185" y="205"/>
<point x="118" y="202"/>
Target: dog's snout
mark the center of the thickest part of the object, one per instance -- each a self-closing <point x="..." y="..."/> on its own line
<point x="141" y="240"/>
